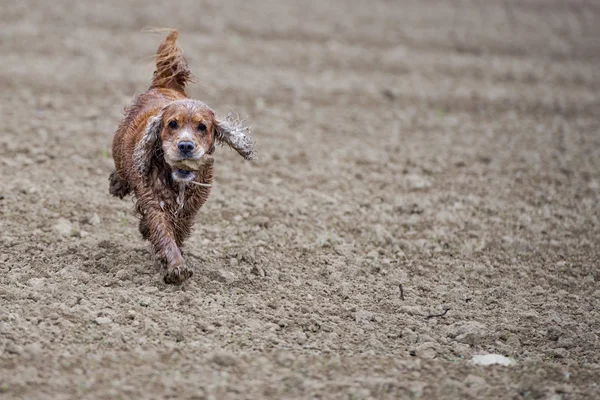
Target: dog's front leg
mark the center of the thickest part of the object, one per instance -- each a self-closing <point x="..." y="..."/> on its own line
<point x="162" y="236"/>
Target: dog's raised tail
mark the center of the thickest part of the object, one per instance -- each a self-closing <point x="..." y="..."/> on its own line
<point x="172" y="71"/>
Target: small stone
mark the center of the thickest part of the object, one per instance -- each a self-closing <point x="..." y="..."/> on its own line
<point x="381" y="236"/>
<point x="301" y="338"/>
<point x="225" y="276"/>
<point x="373" y="254"/>
<point x="460" y="350"/>
<point x="282" y="323"/>
<point x="410" y="336"/>
<point x="364" y="317"/>
<point x="176" y="334"/>
<point x="94" y="219"/>
<point x="590" y="337"/>
<point x="405" y="245"/>
<point x="123" y="275"/>
<point x="63" y="227"/>
<point x="284" y="358"/>
<point x="411" y="310"/>
<point x="145" y="301"/>
<point x="224" y="359"/>
<point x="471" y="333"/>
<point x="491" y="359"/>
<point x="34" y="349"/>
<point x="513" y="342"/>
<point x="272" y="304"/>
<point x="416" y="182"/>
<point x="553" y="334"/>
<point x="13" y="348"/>
<point x="103" y="320"/>
<point x="530" y="315"/>
<point x="426" y="338"/>
<point x="258" y="271"/>
<point x="427" y="350"/>
<point x="53" y="316"/>
<point x="559" y="353"/>
<point x="565" y="342"/>
<point x="564" y="388"/>
<point x="262" y="221"/>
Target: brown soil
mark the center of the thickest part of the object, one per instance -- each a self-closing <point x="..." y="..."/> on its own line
<point x="448" y="149"/>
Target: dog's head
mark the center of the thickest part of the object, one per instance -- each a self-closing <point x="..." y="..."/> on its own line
<point x="188" y="129"/>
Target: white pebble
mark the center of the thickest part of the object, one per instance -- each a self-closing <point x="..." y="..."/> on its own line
<point x="491" y="359"/>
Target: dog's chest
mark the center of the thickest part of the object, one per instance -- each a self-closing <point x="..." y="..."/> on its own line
<point x="183" y="199"/>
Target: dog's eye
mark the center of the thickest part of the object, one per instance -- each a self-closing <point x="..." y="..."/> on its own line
<point x="202" y="127"/>
<point x="173" y="124"/>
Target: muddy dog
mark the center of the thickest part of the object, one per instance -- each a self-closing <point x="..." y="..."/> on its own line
<point x="163" y="150"/>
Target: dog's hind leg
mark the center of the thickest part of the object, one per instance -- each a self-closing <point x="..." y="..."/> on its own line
<point x="118" y="187"/>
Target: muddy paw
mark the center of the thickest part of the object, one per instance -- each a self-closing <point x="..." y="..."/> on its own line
<point x="178" y="274"/>
<point x="118" y="187"/>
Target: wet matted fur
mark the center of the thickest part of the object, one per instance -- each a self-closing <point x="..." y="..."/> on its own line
<point x="145" y="150"/>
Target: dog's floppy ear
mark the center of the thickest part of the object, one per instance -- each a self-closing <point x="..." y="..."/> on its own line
<point x="146" y="147"/>
<point x="232" y="132"/>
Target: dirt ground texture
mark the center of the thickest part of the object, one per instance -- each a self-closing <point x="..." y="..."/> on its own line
<point x="414" y="156"/>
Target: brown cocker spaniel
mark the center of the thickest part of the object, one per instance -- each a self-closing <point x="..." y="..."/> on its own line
<point x="162" y="151"/>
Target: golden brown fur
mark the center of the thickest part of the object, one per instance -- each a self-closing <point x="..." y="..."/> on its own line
<point x="161" y="128"/>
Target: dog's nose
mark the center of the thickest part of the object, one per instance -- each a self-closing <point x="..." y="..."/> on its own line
<point x="185" y="147"/>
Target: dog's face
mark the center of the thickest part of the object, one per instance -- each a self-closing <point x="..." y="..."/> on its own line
<point x="188" y="132"/>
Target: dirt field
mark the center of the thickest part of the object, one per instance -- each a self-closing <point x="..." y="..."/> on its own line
<point x="448" y="148"/>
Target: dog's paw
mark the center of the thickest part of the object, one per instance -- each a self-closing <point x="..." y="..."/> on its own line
<point x="118" y="187"/>
<point x="177" y="274"/>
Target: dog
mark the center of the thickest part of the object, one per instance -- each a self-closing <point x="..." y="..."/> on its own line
<point x="161" y="130"/>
